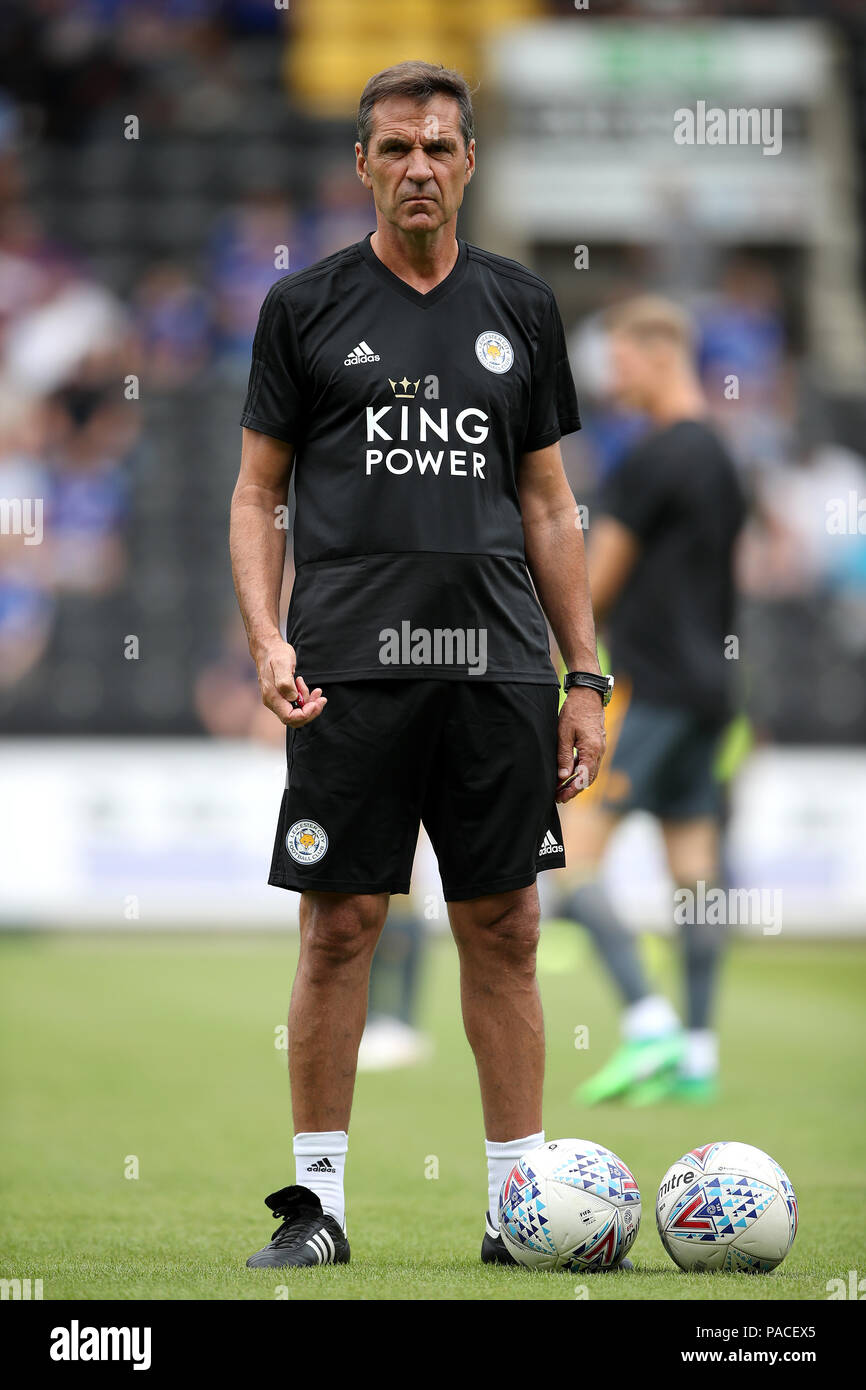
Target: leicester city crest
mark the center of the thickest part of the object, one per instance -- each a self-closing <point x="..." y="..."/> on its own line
<point x="306" y="842"/>
<point x="494" y="351"/>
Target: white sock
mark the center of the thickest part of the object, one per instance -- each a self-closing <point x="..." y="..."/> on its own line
<point x="320" y="1162"/>
<point x="501" y="1158"/>
<point x="649" y="1018"/>
<point x="701" y="1057"/>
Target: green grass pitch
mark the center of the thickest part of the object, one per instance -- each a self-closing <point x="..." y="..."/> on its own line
<point x="161" y="1049"/>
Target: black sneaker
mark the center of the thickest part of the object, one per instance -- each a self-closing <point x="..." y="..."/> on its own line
<point x="306" y="1237"/>
<point x="493" y="1248"/>
<point x="495" y="1252"/>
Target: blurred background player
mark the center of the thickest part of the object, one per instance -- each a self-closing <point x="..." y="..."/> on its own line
<point x="661" y="561"/>
<point x="392" y="1037"/>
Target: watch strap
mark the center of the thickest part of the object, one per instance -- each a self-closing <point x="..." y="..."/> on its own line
<point x="602" y="684"/>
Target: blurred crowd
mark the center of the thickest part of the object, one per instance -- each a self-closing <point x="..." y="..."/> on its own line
<point x="76" y="353"/>
<point x="84" y="340"/>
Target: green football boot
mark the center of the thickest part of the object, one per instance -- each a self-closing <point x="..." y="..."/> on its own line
<point x="673" y="1086"/>
<point x="633" y="1064"/>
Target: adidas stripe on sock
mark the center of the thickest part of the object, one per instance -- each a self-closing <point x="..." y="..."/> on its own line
<point x="320" y="1162"/>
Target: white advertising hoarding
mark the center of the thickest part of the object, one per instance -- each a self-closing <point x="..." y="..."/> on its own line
<point x="585" y="117"/>
<point x="135" y="834"/>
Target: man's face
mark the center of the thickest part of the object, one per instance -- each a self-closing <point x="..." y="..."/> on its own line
<point x="634" y="370"/>
<point x="416" y="165"/>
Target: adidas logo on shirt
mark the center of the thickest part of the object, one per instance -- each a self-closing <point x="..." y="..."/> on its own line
<point x="549" y="845"/>
<point x="362" y="353"/>
<point x="324" y="1165"/>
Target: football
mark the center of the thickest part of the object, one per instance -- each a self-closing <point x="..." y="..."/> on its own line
<point x="569" y="1205"/>
<point x="726" y="1206"/>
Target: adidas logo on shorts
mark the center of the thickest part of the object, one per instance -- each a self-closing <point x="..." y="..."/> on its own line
<point x="549" y="845"/>
<point x="324" y="1165"/>
<point x="362" y="353"/>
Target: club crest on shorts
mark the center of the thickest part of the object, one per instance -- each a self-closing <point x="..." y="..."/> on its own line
<point x="306" y="842"/>
<point x="494" y="351"/>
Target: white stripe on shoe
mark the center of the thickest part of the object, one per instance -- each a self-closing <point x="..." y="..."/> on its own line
<point x="323" y="1246"/>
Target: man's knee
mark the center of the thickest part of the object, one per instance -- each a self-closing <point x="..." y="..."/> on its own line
<point x="692" y="851"/>
<point x="338" y="928"/>
<point x="506" y="930"/>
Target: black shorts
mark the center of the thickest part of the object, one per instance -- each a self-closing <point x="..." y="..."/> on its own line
<point x="662" y="762"/>
<point x="476" y="762"/>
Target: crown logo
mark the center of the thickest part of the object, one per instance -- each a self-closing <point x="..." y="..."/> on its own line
<point x="405" y="394"/>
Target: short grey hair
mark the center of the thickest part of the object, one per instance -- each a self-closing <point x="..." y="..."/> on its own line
<point x="419" y="81"/>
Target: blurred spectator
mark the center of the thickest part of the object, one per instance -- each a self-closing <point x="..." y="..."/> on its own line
<point x="26" y="600"/>
<point x="742" y="335"/>
<point x="339" y="214"/>
<point x="806" y="537"/>
<point x="245" y="250"/>
<point x="175" y="325"/>
<point x="66" y="320"/>
<point x="88" y="496"/>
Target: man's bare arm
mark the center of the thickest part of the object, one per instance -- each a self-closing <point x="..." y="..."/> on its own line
<point x="258" y="552"/>
<point x="553" y="540"/>
<point x="613" y="552"/>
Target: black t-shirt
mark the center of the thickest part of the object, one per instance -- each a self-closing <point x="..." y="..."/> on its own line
<point x="409" y="414"/>
<point x="678" y="491"/>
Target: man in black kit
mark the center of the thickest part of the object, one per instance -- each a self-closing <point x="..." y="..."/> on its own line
<point x="419" y="387"/>
<point x="661" y="562"/>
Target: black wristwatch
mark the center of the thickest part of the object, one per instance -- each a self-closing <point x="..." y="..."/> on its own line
<point x="603" y="684"/>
